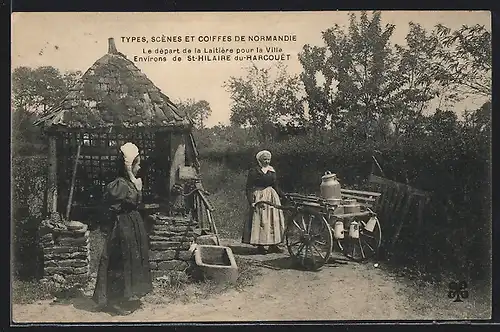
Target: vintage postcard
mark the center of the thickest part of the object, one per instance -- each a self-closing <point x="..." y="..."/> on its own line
<point x="251" y="166"/>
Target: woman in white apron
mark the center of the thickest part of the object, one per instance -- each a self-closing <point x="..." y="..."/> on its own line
<point x="265" y="225"/>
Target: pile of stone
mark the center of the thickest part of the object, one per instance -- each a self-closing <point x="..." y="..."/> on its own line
<point x="66" y="253"/>
<point x="171" y="239"/>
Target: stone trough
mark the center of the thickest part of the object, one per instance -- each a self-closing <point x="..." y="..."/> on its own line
<point x="216" y="263"/>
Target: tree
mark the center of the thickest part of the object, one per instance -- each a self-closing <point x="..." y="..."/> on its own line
<point x="38" y="90"/>
<point x="416" y="80"/>
<point x="35" y="92"/>
<point x="261" y="101"/>
<point x="358" y="67"/>
<point x="318" y="94"/>
<point x="466" y="60"/>
<point x="198" y="111"/>
<point x="479" y="121"/>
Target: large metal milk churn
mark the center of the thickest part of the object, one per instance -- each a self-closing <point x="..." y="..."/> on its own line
<point x="330" y="187"/>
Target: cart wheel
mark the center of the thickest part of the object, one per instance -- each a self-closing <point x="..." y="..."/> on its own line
<point x="366" y="246"/>
<point x="309" y="239"/>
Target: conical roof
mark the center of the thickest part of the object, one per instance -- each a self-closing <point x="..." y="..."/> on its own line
<point x="113" y="92"/>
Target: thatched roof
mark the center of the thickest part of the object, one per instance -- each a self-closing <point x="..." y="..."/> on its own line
<point x="114" y="92"/>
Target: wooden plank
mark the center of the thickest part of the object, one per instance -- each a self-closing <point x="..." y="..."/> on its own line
<point x="385" y="201"/>
<point x="389" y="205"/>
<point x="381" y="180"/>
<point x="213" y="226"/>
<point x="350" y="215"/>
<point x="52" y="176"/>
<point x="73" y="179"/>
<point x="420" y="211"/>
<point x="199" y="211"/>
<point x="360" y="192"/>
<point x="378" y="165"/>
<point x="402" y="217"/>
<point x="398" y="202"/>
<point x="360" y="198"/>
<point x="378" y="201"/>
<point x="395" y="211"/>
<point x="205" y="201"/>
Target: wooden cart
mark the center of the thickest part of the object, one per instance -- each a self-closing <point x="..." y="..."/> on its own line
<point x="314" y="226"/>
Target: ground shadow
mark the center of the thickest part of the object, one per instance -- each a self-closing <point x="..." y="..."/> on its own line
<point x="86" y="303"/>
<point x="81" y="302"/>
<point x="288" y="263"/>
<point x="280" y="263"/>
<point x="243" y="250"/>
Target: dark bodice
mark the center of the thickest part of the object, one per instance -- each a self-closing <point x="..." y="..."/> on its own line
<point x="122" y="196"/>
<point x="257" y="179"/>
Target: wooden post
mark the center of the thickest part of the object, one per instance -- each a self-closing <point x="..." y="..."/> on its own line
<point x="52" y="176"/>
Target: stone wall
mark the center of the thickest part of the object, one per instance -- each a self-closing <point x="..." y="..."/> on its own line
<point x="66" y="254"/>
<point x="170" y="240"/>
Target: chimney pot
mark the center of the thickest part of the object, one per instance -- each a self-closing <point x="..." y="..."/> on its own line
<point x="111" y="46"/>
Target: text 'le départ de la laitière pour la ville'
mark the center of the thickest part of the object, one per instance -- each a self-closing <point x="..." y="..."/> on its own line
<point x="206" y="48"/>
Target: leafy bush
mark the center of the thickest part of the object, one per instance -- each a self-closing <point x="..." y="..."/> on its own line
<point x="28" y="200"/>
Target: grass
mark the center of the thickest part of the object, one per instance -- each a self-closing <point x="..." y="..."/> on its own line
<point x="172" y="290"/>
<point x="227" y="194"/>
<point x="26" y="292"/>
<point x="96" y="240"/>
<point x="184" y="290"/>
<point x="429" y="300"/>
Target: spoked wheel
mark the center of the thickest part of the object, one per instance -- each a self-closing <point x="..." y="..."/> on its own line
<point x="366" y="246"/>
<point x="309" y="239"/>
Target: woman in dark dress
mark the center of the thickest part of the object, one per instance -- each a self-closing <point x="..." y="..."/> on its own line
<point x="124" y="274"/>
<point x="266" y="224"/>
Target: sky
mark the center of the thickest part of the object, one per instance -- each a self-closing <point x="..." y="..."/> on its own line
<point x="74" y="41"/>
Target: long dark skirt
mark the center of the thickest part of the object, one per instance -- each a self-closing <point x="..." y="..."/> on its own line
<point x="124" y="269"/>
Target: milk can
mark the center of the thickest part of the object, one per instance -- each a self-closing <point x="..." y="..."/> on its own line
<point x="354" y="230"/>
<point x="338" y="230"/>
<point x="330" y="187"/>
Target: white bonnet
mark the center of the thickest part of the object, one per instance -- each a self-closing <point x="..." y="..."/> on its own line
<point x="130" y="152"/>
<point x="262" y="154"/>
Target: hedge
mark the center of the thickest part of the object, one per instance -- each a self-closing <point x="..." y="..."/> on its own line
<point x="455" y="169"/>
<point x="28" y="201"/>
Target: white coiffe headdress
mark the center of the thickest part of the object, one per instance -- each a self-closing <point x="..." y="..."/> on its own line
<point x="259" y="156"/>
<point x="130" y="152"/>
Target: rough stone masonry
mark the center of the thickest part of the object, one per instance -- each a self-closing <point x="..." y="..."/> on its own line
<point x="170" y="240"/>
<point x="66" y="254"/>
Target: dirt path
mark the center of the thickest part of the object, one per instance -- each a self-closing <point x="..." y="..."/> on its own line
<point x="337" y="292"/>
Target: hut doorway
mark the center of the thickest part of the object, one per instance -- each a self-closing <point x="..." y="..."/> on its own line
<point x="97" y="166"/>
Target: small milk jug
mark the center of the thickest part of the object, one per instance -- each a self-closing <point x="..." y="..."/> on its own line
<point x="330" y="186"/>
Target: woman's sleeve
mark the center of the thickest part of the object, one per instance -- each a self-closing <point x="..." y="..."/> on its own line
<point x="250" y="185"/>
<point x="276" y="187"/>
<point x="117" y="193"/>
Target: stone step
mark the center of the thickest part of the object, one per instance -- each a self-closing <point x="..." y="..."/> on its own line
<point x="165" y="255"/>
<point x="175" y="238"/>
<point x="65" y="249"/>
<point x="172" y="228"/>
<point x="66" y="263"/>
<point x="66" y="270"/>
<point x="67" y="255"/>
<point x="72" y="242"/>
<point x="161" y="245"/>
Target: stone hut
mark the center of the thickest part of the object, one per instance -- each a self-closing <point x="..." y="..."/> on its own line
<point x="112" y="103"/>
